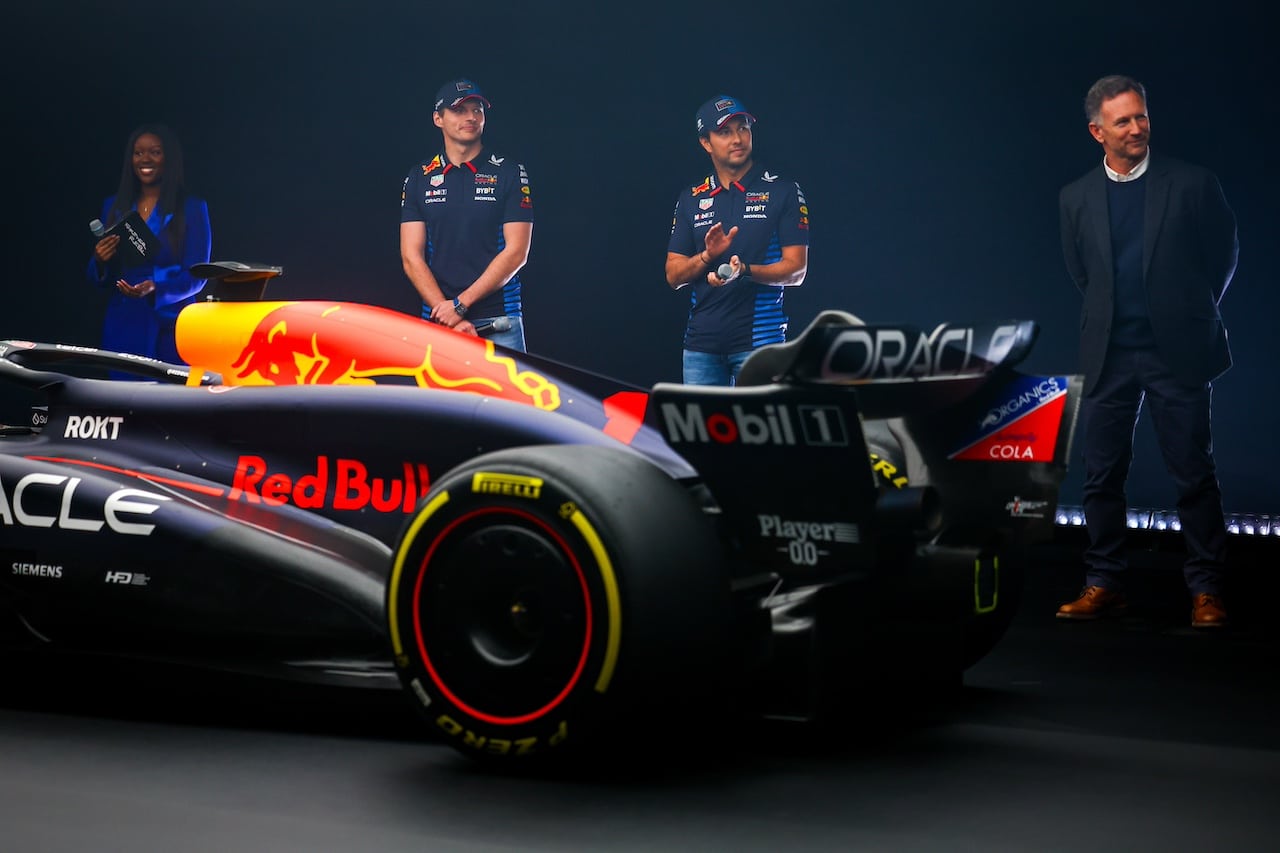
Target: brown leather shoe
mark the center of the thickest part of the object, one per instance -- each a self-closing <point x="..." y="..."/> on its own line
<point x="1207" y="611"/>
<point x="1093" y="603"/>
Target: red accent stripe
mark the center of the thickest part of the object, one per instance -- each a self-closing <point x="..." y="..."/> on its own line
<point x="213" y="491"/>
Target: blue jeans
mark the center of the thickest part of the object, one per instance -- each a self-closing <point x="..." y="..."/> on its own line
<point x="711" y="368"/>
<point x="512" y="338"/>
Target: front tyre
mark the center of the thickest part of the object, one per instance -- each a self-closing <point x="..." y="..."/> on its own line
<point x="547" y="597"/>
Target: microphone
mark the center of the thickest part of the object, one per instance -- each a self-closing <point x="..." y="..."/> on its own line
<point x="496" y="324"/>
<point x="97" y="228"/>
<point x="725" y="272"/>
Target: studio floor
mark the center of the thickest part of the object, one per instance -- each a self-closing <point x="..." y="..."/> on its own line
<point x="1132" y="734"/>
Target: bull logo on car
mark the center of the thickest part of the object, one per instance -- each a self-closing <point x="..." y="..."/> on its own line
<point x="329" y="343"/>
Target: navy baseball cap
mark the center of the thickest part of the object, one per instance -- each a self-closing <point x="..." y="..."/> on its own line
<point x="455" y="92"/>
<point x="718" y="110"/>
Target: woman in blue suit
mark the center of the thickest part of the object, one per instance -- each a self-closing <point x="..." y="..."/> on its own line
<point x="145" y="299"/>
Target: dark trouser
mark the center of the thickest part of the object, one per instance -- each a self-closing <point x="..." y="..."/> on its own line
<point x="1180" y="414"/>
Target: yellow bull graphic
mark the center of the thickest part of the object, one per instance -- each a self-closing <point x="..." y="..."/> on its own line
<point x="331" y="343"/>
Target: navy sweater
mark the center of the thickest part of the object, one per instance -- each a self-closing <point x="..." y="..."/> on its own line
<point x="1131" y="327"/>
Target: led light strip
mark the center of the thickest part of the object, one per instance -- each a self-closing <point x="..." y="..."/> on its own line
<point x="1238" y="524"/>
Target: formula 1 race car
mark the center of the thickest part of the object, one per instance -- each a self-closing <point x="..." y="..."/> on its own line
<point x="538" y="555"/>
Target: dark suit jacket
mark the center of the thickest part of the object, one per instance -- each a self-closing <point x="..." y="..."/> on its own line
<point x="1188" y="258"/>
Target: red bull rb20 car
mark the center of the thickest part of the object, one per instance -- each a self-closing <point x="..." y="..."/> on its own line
<point x="537" y="555"/>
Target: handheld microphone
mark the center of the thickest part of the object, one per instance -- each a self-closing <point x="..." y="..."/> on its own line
<point x="725" y="272"/>
<point x="497" y="324"/>
<point x="97" y="228"/>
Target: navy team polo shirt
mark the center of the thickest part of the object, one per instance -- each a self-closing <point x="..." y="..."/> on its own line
<point x="465" y="208"/>
<point x="770" y="213"/>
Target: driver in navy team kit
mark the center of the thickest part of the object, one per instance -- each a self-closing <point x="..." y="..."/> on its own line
<point x="750" y="219"/>
<point x="466" y="223"/>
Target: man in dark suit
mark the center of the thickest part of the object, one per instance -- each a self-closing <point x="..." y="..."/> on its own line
<point x="1151" y="243"/>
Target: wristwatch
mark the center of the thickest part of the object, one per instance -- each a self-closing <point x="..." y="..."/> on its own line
<point x="459" y="307"/>
<point x="745" y="271"/>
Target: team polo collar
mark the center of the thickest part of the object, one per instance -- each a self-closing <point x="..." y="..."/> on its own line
<point x="441" y="162"/>
<point x="740" y="185"/>
<point x="467" y="165"/>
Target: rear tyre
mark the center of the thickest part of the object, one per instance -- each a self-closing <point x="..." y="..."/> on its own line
<point x="548" y="597"/>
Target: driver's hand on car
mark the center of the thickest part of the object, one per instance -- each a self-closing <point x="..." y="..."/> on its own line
<point x="105" y="249"/>
<point x="137" y="291"/>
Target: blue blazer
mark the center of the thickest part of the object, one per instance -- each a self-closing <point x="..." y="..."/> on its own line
<point x="1189" y="254"/>
<point x="145" y="326"/>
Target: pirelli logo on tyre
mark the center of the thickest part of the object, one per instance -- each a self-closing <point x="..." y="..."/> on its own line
<point x="511" y="485"/>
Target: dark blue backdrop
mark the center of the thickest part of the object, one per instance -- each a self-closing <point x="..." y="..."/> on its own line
<point x="930" y="141"/>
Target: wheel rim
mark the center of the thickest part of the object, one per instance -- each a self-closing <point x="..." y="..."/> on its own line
<point x="502" y="616"/>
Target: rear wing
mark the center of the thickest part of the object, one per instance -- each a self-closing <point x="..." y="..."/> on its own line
<point x="851" y="430"/>
<point x="946" y="409"/>
<point x="897" y="369"/>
